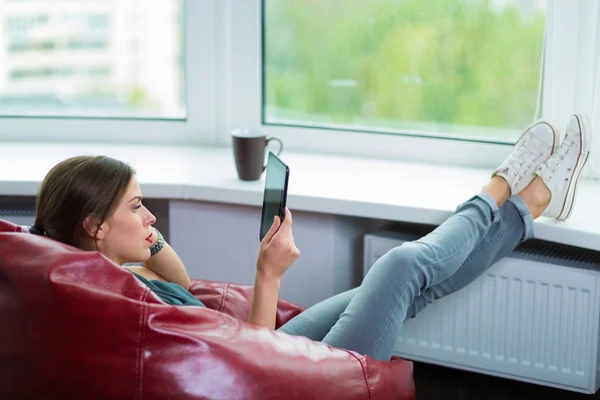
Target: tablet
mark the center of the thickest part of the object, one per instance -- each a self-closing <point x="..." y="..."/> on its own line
<point x="275" y="193"/>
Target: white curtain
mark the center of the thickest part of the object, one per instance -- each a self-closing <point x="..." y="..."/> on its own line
<point x="571" y="80"/>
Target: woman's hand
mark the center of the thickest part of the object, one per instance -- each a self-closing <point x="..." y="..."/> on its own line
<point x="167" y="265"/>
<point x="277" y="249"/>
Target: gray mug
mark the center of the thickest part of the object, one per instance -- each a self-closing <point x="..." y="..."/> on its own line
<point x="249" y="148"/>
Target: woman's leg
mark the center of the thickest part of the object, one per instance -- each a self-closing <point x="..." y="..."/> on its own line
<point x="514" y="225"/>
<point x="316" y="321"/>
<point x="371" y="322"/>
<point x="462" y="232"/>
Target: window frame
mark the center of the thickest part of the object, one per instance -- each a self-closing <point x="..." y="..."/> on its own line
<point x="199" y="125"/>
<point x="571" y="79"/>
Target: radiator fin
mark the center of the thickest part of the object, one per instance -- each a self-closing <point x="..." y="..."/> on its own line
<point x="560" y="254"/>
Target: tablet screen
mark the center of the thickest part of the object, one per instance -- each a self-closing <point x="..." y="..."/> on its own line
<point x="275" y="194"/>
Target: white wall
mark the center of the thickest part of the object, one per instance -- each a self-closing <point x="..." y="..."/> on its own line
<point x="220" y="242"/>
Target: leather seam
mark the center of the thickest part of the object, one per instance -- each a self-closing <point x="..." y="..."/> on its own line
<point x="363" y="370"/>
<point x="140" y="363"/>
<point x="225" y="293"/>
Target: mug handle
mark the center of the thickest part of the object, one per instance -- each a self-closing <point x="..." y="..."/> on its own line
<point x="278" y="151"/>
<point x="278" y="141"/>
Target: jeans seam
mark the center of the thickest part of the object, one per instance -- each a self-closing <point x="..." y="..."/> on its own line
<point x="524" y="213"/>
<point x="376" y="345"/>
<point x="495" y="239"/>
<point x="473" y="255"/>
<point x="491" y="204"/>
<point x="387" y="322"/>
<point x="527" y="226"/>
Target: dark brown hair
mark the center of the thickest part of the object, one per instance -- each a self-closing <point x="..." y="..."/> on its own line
<point x="76" y="188"/>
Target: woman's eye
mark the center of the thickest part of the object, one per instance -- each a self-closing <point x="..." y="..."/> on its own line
<point x="136" y="207"/>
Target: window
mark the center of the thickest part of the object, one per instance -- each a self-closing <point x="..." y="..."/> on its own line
<point x="466" y="69"/>
<point x="87" y="62"/>
<point x="434" y="81"/>
<point x="550" y="69"/>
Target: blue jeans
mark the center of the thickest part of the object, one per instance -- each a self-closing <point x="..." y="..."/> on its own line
<point x="406" y="279"/>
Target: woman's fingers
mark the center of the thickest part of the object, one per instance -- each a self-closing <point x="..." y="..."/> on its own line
<point x="273" y="230"/>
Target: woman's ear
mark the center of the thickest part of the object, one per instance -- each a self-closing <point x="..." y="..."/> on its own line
<point x="91" y="228"/>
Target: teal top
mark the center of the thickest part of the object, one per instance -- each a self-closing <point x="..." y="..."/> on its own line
<point x="171" y="293"/>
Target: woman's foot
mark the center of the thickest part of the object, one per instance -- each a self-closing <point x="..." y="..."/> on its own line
<point x="533" y="148"/>
<point x="560" y="173"/>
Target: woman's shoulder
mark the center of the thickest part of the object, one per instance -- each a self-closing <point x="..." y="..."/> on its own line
<point x="146" y="273"/>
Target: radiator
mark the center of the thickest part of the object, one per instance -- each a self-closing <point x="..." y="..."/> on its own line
<point x="533" y="316"/>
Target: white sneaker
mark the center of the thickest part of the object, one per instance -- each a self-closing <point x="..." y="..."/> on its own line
<point x="532" y="149"/>
<point x="561" y="171"/>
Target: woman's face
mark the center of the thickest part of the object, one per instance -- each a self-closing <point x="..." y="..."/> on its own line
<point x="125" y="236"/>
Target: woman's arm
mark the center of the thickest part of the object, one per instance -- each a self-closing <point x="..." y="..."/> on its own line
<point x="277" y="252"/>
<point x="167" y="264"/>
<point x="264" y="301"/>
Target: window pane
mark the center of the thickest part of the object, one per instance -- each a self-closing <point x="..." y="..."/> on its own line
<point x="458" y="68"/>
<point x="91" y="58"/>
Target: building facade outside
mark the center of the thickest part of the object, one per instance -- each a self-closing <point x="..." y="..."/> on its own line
<point x="100" y="57"/>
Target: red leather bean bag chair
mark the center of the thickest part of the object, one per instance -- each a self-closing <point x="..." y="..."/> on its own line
<point x="74" y="325"/>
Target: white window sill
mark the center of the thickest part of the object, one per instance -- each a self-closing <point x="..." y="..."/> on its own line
<point x="362" y="187"/>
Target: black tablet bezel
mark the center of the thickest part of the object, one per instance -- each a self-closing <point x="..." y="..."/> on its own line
<point x="272" y="158"/>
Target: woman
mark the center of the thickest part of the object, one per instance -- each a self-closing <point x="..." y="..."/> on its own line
<point x="95" y="203"/>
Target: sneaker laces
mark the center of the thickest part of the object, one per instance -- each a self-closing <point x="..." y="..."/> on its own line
<point x="557" y="158"/>
<point x="519" y="157"/>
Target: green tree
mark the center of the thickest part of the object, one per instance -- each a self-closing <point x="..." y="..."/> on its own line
<point x="403" y="63"/>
